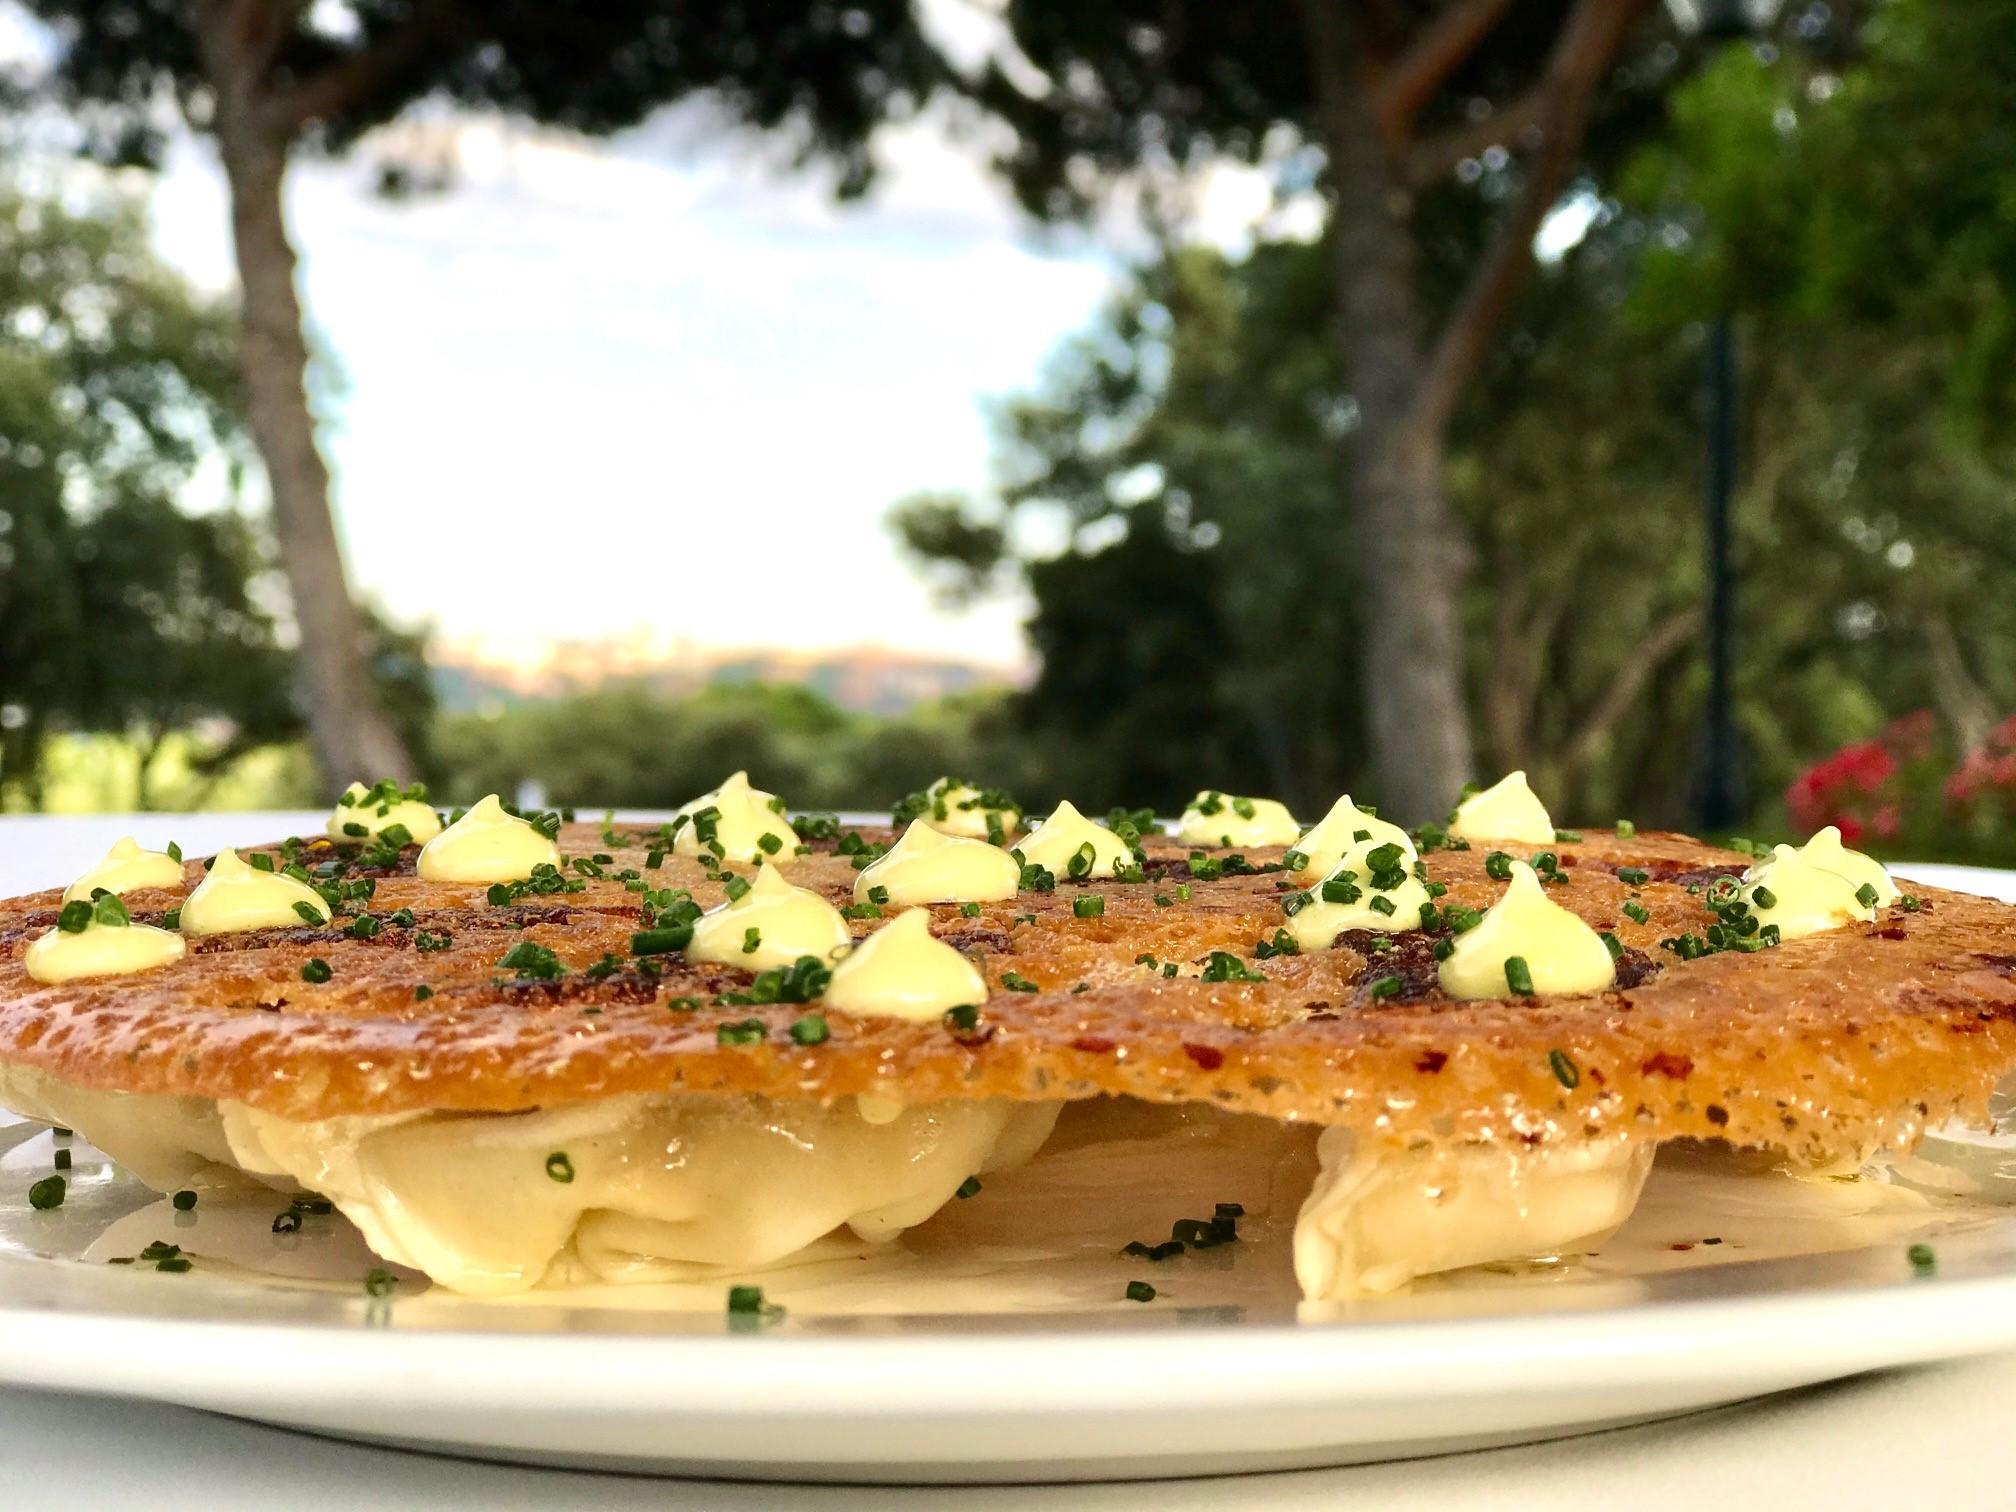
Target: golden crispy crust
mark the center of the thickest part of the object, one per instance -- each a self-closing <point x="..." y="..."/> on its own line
<point x="1824" y="1047"/>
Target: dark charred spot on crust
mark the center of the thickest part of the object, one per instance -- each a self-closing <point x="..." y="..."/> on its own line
<point x="1635" y="969"/>
<point x="622" y="987"/>
<point x="1410" y="957"/>
<point x="1097" y="1044"/>
<point x="2001" y="965"/>
<point x="1428" y="1062"/>
<point x="979" y="937"/>
<point x="1207" y="1057"/>
<point x="1673" y="873"/>
<point x="1666" y="1063"/>
<point x="1888" y="932"/>
<point x="1717" y="1114"/>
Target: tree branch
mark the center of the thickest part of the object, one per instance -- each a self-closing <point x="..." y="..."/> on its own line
<point x="1434" y="158"/>
<point x="1410" y="80"/>
<point x="1582" y="54"/>
<point x="1645" y="658"/>
<point x="352" y="78"/>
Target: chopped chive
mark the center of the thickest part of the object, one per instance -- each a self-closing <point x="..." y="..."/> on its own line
<point x="559" y="1167"/>
<point x="970" y="1187"/>
<point x="1384" y="987"/>
<point x="1867" y="895"/>
<point x="1498" y="866"/>
<point x="745" y="1299"/>
<point x="812" y="1029"/>
<point x="1016" y="982"/>
<point x="1625" y="829"/>
<point x="969" y="910"/>
<point x="1763" y="897"/>
<point x="1923" y="1261"/>
<point x="379" y="1282"/>
<point x="1612" y="944"/>
<point x="47" y="1193"/>
<point x="1637" y="913"/>
<point x="316" y="970"/>
<point x="1565" y="1070"/>
<point x="1519" y="976"/>
<point x="1088" y="905"/>
<point x="1140" y="1291"/>
<point x="184" y="1200"/>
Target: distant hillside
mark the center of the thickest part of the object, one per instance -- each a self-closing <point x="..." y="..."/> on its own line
<point x="866" y="680"/>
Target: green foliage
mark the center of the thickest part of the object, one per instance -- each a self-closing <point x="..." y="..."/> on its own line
<point x="625" y="745"/>
<point x="119" y="608"/>
<point x="822" y="74"/>
<point x="1176" y="454"/>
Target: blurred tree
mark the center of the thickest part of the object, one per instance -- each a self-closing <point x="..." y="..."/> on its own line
<point x="267" y="76"/>
<point x="119" y="610"/>
<point x="1399" y="96"/>
<point x="1877" y="521"/>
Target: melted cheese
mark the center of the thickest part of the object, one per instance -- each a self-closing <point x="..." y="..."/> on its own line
<point x="656" y="1188"/>
<point x="1317" y="923"/>
<point x="1377" y="1219"/>
<point x="165" y="1141"/>
<point x="904" y="971"/>
<point x="125" y="868"/>
<point x="745" y="824"/>
<point x="1508" y="810"/>
<point x="1826" y="851"/>
<point x="1215" y="818"/>
<point x="1800" y="896"/>
<point x="1062" y="837"/>
<point x="100" y="950"/>
<point x="927" y="865"/>
<point x="487" y="845"/>
<point x="1561" y="952"/>
<point x="357" y="815"/>
<point x="236" y="897"/>
<point x="1345" y="827"/>
<point x="789" y="922"/>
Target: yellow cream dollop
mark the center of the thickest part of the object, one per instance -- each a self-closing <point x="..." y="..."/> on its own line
<point x="1215" y="818"/>
<point x="1562" y="954"/>
<point x="929" y="866"/>
<point x="125" y="868"/>
<point x="1342" y="830"/>
<point x="789" y="922"/>
<point x="1318" y="922"/>
<point x="358" y="814"/>
<point x="1060" y="838"/>
<point x="1507" y="810"/>
<point x="904" y="971"/>
<point x="486" y="845"/>
<point x="1801" y="896"/>
<point x="100" y="949"/>
<point x="236" y="897"/>
<point x="748" y="825"/>
<point x="959" y="808"/>
<point x="1826" y="851"/>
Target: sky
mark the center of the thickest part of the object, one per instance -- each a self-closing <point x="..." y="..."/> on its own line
<point x="667" y="354"/>
<point x="664" y="355"/>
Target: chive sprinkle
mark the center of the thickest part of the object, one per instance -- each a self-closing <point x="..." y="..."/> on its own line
<point x="970" y="1187"/>
<point x="184" y="1200"/>
<point x="812" y="1029"/>
<point x="559" y="1167"/>
<point x="1565" y="1070"/>
<point x="1923" y="1261"/>
<point x="1088" y="905"/>
<point x="47" y="1193"/>
<point x="745" y="1299"/>
<point x="1519" y="976"/>
<point x="1140" y="1291"/>
<point x="316" y="970"/>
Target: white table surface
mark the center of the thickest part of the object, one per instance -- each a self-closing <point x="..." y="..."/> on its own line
<point x="1930" y="1438"/>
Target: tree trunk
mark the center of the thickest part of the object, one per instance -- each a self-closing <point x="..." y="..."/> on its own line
<point x="1410" y="547"/>
<point x="347" y="729"/>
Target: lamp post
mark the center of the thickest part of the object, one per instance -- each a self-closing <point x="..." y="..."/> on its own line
<point x="1719" y="785"/>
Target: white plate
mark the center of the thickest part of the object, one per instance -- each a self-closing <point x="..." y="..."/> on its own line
<point x="1224" y="1373"/>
